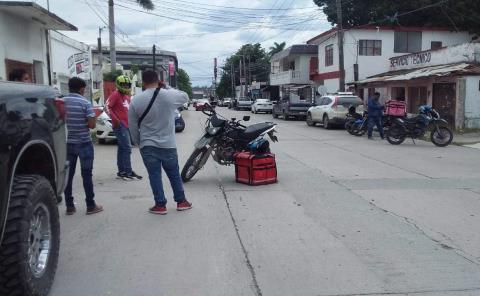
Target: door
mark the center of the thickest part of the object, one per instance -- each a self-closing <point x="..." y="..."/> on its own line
<point x="444" y="98"/>
<point x="417" y="96"/>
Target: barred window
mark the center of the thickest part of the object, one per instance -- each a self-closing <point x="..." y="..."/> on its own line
<point x="329" y="55"/>
<point x="370" y="47"/>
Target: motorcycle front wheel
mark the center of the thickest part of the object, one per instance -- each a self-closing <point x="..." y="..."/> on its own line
<point x="396" y="135"/>
<point x="358" y="129"/>
<point x="442" y="136"/>
<point x="192" y="165"/>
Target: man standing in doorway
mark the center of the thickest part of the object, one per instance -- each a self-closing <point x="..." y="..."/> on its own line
<point x="375" y="112"/>
<point x="152" y="125"/>
<point x="80" y="118"/>
<point x="117" y="106"/>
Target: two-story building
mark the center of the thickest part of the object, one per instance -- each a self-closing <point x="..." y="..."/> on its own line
<point x="25" y="41"/>
<point x="290" y="72"/>
<point x="367" y="48"/>
<point x="447" y="79"/>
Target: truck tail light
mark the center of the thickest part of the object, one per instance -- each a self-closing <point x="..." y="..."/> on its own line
<point x="60" y="104"/>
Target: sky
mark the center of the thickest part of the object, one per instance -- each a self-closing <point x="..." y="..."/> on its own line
<point x="197" y="30"/>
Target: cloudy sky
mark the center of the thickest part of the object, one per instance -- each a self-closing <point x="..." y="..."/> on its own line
<point x="197" y="30"/>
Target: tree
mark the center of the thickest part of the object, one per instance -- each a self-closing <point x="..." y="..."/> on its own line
<point x="256" y="60"/>
<point x="276" y="48"/>
<point x="184" y="82"/>
<point x="145" y="4"/>
<point x="458" y="14"/>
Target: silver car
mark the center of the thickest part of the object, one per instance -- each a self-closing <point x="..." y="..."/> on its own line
<point x="332" y="109"/>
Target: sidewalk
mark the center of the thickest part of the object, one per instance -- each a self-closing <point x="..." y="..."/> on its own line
<point x="466" y="138"/>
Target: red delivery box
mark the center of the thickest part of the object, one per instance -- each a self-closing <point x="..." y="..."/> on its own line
<point x="255" y="169"/>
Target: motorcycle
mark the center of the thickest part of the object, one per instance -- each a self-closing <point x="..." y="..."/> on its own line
<point x="223" y="138"/>
<point x="359" y="126"/>
<point x="352" y="117"/>
<point x="416" y="127"/>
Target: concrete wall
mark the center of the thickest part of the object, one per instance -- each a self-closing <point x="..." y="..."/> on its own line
<point x="22" y="40"/>
<point x="472" y="102"/>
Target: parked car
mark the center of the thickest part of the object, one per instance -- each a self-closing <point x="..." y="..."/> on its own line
<point x="333" y="108"/>
<point x="262" y="105"/>
<point x="233" y="103"/>
<point x="179" y="122"/>
<point x="288" y="108"/>
<point x="34" y="168"/>
<point x="244" y="103"/>
<point x="104" y="128"/>
<point x="200" y="104"/>
<point x="226" y="102"/>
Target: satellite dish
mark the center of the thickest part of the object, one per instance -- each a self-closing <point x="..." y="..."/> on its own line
<point x="322" y="90"/>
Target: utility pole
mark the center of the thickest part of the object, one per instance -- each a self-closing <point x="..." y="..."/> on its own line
<point x="155" y="60"/>
<point x="111" y="25"/>
<point x="100" y="52"/>
<point x="241" y="83"/>
<point x="244" y="77"/>
<point x="341" y="62"/>
<point x="232" y="78"/>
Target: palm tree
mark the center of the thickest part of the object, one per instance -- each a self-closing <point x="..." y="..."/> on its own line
<point x="276" y="48"/>
<point x="145" y="4"/>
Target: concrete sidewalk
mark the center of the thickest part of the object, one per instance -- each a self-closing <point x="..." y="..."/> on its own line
<point x="466" y="138"/>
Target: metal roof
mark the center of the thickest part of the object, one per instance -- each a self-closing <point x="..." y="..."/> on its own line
<point x="438" y="71"/>
<point x="296" y="49"/>
<point x="33" y="12"/>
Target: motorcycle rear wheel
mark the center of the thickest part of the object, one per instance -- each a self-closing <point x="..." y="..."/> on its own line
<point x="395" y="135"/>
<point x="191" y="167"/>
<point x="441" y="137"/>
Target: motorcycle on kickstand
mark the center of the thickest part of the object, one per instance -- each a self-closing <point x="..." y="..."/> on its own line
<point x="223" y="139"/>
<point x="427" y="119"/>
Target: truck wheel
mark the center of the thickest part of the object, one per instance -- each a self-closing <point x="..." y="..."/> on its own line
<point x="274" y="115"/>
<point x="29" y="252"/>
<point x="285" y="115"/>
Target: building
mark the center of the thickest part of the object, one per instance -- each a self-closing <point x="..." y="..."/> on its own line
<point x="367" y="48"/>
<point x="166" y="62"/>
<point x="70" y="58"/>
<point x="25" y="42"/>
<point x="290" y="72"/>
<point x="447" y="79"/>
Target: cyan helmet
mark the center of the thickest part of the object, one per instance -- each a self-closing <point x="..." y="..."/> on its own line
<point x="123" y="84"/>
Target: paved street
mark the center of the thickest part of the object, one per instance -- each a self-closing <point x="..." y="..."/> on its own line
<point x="349" y="216"/>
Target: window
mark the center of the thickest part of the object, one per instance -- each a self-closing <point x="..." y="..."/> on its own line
<point x="370" y="47"/>
<point x="329" y="55"/>
<point x="436" y="45"/>
<point x="406" y="42"/>
<point x="292" y="65"/>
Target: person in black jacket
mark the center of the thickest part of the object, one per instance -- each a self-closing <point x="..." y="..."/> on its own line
<point x="375" y="112"/>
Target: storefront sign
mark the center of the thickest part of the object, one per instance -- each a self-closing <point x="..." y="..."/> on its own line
<point x="413" y="60"/>
<point x="79" y="65"/>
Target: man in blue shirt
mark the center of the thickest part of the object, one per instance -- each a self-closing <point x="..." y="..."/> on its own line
<point x="80" y="118"/>
<point x="375" y="113"/>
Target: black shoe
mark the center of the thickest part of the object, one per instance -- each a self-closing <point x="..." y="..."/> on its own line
<point x="134" y="176"/>
<point x="121" y="175"/>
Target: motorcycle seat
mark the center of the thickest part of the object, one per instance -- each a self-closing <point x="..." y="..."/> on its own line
<point x="255" y="130"/>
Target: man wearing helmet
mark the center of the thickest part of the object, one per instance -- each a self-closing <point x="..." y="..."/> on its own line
<point x="117" y="106"/>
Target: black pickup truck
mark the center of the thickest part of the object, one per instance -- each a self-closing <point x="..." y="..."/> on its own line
<point x="33" y="173"/>
<point x="288" y="108"/>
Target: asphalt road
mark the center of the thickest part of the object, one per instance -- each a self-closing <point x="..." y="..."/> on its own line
<point x="348" y="216"/>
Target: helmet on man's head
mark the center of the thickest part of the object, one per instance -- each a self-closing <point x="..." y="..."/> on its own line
<point x="123" y="84"/>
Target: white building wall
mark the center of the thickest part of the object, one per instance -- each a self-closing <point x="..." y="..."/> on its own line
<point x="472" y="102"/>
<point x="23" y="41"/>
<point x="373" y="65"/>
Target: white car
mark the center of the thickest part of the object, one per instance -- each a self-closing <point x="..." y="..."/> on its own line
<point x="104" y="129"/>
<point x="332" y="109"/>
<point x="262" y="105"/>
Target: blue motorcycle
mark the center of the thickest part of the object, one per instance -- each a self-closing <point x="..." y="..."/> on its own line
<point x="416" y="127"/>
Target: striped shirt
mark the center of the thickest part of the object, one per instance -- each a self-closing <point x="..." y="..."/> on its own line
<point x="78" y="111"/>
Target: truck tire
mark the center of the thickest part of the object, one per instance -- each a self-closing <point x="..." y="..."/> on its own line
<point x="274" y="115"/>
<point x="29" y="252"/>
<point x="286" y="117"/>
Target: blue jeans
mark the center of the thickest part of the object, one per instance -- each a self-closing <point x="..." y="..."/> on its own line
<point x="124" y="149"/>
<point x="154" y="159"/>
<point x="372" y="121"/>
<point x="84" y="151"/>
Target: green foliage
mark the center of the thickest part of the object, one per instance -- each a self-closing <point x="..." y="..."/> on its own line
<point x="458" y="14"/>
<point x="111" y="76"/>
<point x="146" y="4"/>
<point x="276" y="48"/>
<point x="259" y="68"/>
<point x="184" y="82"/>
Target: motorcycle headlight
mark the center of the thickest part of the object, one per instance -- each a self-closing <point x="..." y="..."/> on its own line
<point x="213" y="130"/>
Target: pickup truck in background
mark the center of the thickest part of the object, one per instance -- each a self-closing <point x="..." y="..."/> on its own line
<point x="244" y="103"/>
<point x="288" y="108"/>
<point x="33" y="174"/>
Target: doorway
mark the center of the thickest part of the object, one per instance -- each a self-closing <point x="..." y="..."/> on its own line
<point x="417" y="96"/>
<point x="444" y="98"/>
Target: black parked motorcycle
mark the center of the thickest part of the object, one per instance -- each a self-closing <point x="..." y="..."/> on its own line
<point x="417" y="127"/>
<point x="222" y="139"/>
<point x="352" y="117"/>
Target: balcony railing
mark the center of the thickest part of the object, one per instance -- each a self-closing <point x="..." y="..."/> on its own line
<point x="289" y="77"/>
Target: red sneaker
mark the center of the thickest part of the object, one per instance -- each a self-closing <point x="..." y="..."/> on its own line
<point x="184" y="205"/>
<point x="158" y="210"/>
